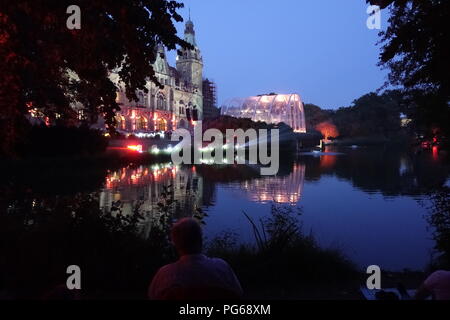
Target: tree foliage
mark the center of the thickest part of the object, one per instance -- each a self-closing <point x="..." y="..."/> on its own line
<point x="46" y="66"/>
<point x="415" y="49"/>
<point x="371" y="115"/>
<point x="314" y="116"/>
<point x="439" y="218"/>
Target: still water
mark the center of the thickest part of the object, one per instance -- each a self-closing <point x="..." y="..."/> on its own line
<point x="370" y="203"/>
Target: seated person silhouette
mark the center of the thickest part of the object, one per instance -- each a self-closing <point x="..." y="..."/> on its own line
<point x="437" y="285"/>
<point x="194" y="276"/>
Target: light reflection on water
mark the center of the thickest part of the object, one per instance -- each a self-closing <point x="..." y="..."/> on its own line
<point x="366" y="202"/>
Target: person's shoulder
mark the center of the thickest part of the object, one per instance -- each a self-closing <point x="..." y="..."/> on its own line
<point x="168" y="268"/>
<point x="440" y="274"/>
<point x="217" y="260"/>
<point x="437" y="277"/>
<point x="219" y="263"/>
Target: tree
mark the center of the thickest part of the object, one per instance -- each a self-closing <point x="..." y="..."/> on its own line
<point x="415" y="48"/>
<point x="314" y="115"/>
<point x="47" y="67"/>
<point x="328" y="130"/>
<point x="371" y="115"/>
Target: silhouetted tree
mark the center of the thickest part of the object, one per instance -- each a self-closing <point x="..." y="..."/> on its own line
<point x="370" y="115"/>
<point x="46" y="66"/>
<point x="314" y="115"/>
<point x="416" y="50"/>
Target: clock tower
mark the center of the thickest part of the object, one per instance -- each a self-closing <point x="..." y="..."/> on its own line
<point x="190" y="67"/>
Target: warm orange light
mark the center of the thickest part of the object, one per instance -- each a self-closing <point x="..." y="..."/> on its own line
<point x="327" y="161"/>
<point x="328" y="130"/>
<point x="137" y="148"/>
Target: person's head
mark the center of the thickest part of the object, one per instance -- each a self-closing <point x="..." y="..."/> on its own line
<point x="187" y="236"/>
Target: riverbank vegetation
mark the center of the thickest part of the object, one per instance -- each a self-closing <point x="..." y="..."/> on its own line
<point x="285" y="263"/>
<point x="40" y="239"/>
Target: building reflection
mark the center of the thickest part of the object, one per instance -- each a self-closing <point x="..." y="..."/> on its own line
<point x="281" y="189"/>
<point x="143" y="188"/>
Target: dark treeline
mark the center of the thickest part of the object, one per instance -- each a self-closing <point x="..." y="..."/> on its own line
<point x="370" y="115"/>
<point x="415" y="50"/>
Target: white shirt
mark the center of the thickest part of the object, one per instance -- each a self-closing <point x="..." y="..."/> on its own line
<point x="194" y="271"/>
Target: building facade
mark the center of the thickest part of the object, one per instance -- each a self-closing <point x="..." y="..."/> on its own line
<point x="175" y="105"/>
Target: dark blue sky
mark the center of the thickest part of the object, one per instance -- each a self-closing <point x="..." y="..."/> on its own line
<point x="320" y="49"/>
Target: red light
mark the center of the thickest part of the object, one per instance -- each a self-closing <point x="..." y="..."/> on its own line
<point x="109" y="184"/>
<point x="435" y="153"/>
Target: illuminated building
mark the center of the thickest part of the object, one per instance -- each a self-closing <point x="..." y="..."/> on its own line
<point x="272" y="108"/>
<point x="173" y="106"/>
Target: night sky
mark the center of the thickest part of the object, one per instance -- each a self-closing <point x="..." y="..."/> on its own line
<point x="320" y="49"/>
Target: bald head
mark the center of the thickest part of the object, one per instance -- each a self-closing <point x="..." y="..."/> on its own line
<point x="187" y="236"/>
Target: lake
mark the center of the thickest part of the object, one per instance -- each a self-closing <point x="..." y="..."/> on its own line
<point x="369" y="202"/>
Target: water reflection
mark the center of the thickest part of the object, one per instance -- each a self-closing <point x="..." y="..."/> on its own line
<point x="388" y="171"/>
<point x="364" y="199"/>
<point x="280" y="189"/>
<point x="340" y="192"/>
<point x="372" y="170"/>
<point x="145" y="185"/>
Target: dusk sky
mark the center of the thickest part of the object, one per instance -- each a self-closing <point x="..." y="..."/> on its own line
<point x="319" y="49"/>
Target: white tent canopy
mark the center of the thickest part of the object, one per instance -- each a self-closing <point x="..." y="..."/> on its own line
<point x="274" y="108"/>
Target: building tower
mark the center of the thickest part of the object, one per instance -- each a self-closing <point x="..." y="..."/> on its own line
<point x="210" y="110"/>
<point x="190" y="68"/>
